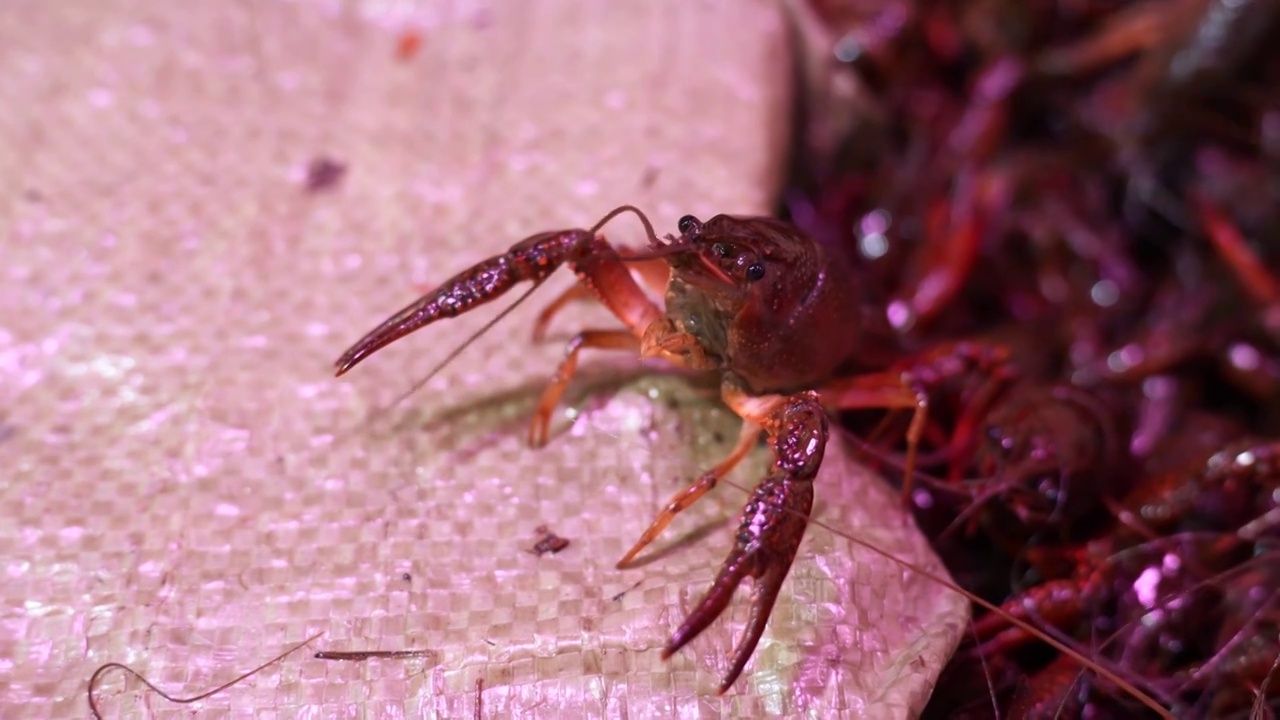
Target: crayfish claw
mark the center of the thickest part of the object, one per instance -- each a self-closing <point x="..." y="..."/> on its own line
<point x="772" y="523"/>
<point x="764" y="594"/>
<point x="768" y="538"/>
<point x="710" y="608"/>
<point x="530" y="260"/>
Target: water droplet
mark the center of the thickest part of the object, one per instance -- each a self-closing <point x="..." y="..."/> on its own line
<point x="1104" y="293"/>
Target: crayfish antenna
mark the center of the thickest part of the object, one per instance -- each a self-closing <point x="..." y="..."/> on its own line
<point x="649" y="232"/>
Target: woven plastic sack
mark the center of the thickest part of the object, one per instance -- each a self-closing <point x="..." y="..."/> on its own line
<point x="206" y="202"/>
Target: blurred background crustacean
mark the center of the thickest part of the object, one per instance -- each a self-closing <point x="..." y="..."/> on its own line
<point x="1094" y="185"/>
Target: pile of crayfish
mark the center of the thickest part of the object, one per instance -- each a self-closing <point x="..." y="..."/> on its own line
<point x="1090" y="190"/>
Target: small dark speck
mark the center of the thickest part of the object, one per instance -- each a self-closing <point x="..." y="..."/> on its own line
<point x="717" y="436"/>
<point x="324" y="173"/>
<point x="672" y="404"/>
<point x="549" y="542"/>
<point x="408" y="44"/>
<point x="406" y="577"/>
<point x="32" y="195"/>
<point x="491" y="643"/>
<point x="649" y="177"/>
<point x="622" y="594"/>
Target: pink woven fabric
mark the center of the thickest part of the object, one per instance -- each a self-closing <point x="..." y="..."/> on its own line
<point x="185" y="488"/>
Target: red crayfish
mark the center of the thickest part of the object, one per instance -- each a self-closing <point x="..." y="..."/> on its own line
<point x="781" y="318"/>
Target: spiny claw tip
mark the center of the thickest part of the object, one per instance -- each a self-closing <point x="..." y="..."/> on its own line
<point x="678" y="641"/>
<point x="628" y="559"/>
<point x="350" y="359"/>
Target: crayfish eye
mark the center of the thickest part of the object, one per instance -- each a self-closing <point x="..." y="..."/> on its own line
<point x="755" y="271"/>
<point x="688" y="224"/>
<point x="720" y="250"/>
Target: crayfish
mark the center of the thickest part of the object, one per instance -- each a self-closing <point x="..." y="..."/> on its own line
<point x="780" y="317"/>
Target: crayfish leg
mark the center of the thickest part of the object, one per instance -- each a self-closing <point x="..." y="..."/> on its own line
<point x="1059" y="603"/>
<point x="654" y="273"/>
<point x="610" y="281"/>
<point x="1125" y="33"/>
<point x="939" y="269"/>
<point x="1230" y="243"/>
<point x="540" y="425"/>
<point x="687" y="497"/>
<point x="982" y="368"/>
<point x="574" y="293"/>
<point x="772" y="524"/>
<point x="887" y="390"/>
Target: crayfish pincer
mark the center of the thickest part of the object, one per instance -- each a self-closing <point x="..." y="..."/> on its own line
<point x="782" y="319"/>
